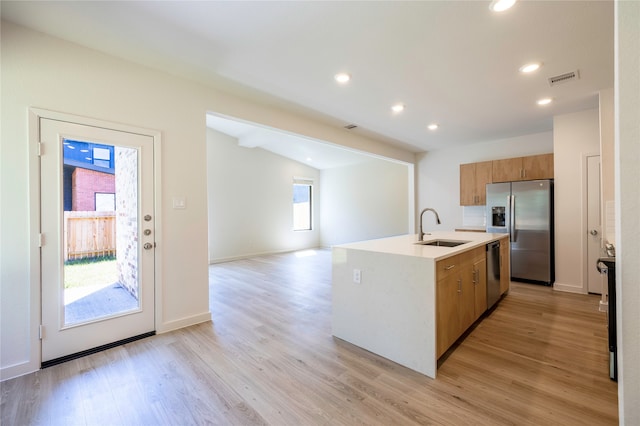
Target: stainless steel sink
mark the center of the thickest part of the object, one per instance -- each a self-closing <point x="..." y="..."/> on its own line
<point x="442" y="243"/>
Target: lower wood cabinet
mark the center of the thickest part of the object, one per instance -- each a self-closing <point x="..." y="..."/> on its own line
<point x="505" y="265"/>
<point x="480" y="285"/>
<point x="461" y="295"/>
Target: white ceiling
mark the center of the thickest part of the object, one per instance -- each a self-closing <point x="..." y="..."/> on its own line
<point x="317" y="154"/>
<point x="451" y="62"/>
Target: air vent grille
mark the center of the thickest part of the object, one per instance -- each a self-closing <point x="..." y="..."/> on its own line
<point x="564" y="78"/>
<point x="350" y="126"/>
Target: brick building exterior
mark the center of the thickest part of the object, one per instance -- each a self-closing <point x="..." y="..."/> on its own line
<point x="85" y="184"/>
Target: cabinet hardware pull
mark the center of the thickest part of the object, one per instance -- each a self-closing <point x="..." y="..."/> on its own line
<point x="448" y="267"/>
<point x="459" y="285"/>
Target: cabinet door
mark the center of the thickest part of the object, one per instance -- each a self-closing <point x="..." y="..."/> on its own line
<point x="467" y="305"/>
<point x="448" y="321"/>
<point x="505" y="265"/>
<point x="538" y="167"/>
<point x="484" y="173"/>
<point x="467" y="184"/>
<point x="508" y="170"/>
<point x="480" y="281"/>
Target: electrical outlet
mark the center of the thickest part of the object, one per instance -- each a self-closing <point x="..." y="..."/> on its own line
<point x="357" y="276"/>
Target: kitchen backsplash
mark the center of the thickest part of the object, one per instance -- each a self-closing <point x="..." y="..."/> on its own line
<point x="474" y="216"/>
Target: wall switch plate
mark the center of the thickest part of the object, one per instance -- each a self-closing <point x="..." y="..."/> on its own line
<point x="357" y="276"/>
<point x="179" y="203"/>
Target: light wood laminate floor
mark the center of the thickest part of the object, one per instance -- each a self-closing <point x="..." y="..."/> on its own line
<point x="268" y="357"/>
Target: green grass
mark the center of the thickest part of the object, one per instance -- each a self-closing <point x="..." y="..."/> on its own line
<point x="87" y="272"/>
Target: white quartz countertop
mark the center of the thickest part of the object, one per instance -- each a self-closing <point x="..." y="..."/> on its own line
<point x="406" y="244"/>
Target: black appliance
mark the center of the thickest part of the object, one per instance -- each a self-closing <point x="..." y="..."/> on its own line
<point x="607" y="265"/>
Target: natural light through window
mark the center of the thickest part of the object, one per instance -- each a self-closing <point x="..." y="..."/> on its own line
<point x="302" y="198"/>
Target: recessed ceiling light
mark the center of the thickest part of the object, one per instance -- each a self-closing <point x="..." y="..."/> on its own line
<point x="342" y="77"/>
<point x="544" y="101"/>
<point x="432" y="126"/>
<point x="397" y="108"/>
<point x="533" y="66"/>
<point x="309" y="159"/>
<point x="501" y="5"/>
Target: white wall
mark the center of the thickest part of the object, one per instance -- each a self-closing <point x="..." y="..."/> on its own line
<point x="627" y="145"/>
<point x="365" y="201"/>
<point x="439" y="175"/>
<point x="607" y="164"/>
<point x="250" y="200"/>
<point x="574" y="136"/>
<point x="46" y="72"/>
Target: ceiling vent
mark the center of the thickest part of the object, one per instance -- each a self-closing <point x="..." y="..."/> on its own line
<point x="350" y="126"/>
<point x="564" y="78"/>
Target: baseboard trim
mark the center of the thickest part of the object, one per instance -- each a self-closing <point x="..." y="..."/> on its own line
<point x="17" y="370"/>
<point x="262" y="253"/>
<point x="568" y="288"/>
<point x="184" y="322"/>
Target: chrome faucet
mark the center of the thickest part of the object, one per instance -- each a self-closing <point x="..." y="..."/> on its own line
<point x="421" y="235"/>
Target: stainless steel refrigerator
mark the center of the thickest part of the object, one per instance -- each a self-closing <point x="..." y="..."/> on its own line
<point x="525" y="211"/>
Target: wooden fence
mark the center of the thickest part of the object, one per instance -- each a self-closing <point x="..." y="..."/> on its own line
<point x="89" y="234"/>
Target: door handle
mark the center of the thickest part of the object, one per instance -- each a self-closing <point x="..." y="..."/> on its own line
<point x="147" y="246"/>
<point x="459" y="285"/>
<point x="512" y="218"/>
<point x="594" y="232"/>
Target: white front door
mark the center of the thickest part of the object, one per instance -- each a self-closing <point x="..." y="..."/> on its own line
<point x="594" y="229"/>
<point x="97" y="225"/>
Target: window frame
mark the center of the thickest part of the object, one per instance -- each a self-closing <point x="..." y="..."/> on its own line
<point x="303" y="182"/>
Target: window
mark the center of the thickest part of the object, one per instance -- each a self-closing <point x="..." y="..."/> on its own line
<point x="302" y="191"/>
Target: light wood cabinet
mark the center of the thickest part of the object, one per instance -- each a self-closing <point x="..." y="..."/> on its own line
<point x="448" y="318"/>
<point x="505" y="265"/>
<point x="507" y="170"/>
<point x="480" y="284"/>
<point x="537" y="167"/>
<point x="473" y="180"/>
<point x="523" y="168"/>
<point x="461" y="295"/>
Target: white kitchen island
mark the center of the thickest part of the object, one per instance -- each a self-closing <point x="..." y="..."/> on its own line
<point x="391" y="311"/>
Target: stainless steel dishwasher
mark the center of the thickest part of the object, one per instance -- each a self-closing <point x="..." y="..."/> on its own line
<point x="493" y="273"/>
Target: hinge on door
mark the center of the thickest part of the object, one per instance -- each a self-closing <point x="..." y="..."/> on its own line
<point x="40" y="240"/>
<point x="41" y="332"/>
<point x="40" y="149"/>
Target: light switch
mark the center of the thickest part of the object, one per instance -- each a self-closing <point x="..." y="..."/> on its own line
<point x="179" y="203"/>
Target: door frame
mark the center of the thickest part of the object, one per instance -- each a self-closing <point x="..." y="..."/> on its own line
<point x="584" y="225"/>
<point x="35" y="306"/>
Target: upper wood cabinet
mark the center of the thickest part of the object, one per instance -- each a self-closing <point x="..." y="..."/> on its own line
<point x="473" y="179"/>
<point x="523" y="168"/>
<point x="537" y="167"/>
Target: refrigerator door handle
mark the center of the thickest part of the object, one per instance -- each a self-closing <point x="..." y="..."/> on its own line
<point x="512" y="217"/>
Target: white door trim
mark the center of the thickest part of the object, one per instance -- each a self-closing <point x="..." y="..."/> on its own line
<point x="584" y="237"/>
<point x="35" y="314"/>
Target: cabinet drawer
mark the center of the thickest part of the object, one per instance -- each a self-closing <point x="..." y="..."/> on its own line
<point x="477" y="254"/>
<point x="448" y="266"/>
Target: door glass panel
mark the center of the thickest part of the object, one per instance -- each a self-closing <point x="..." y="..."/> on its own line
<point x="100" y="231"/>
